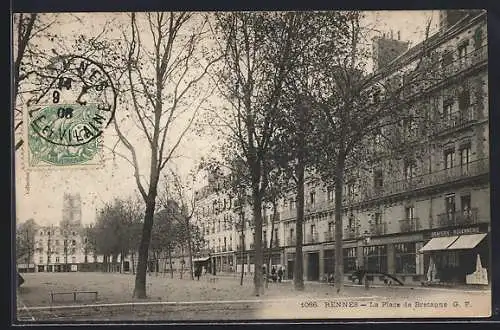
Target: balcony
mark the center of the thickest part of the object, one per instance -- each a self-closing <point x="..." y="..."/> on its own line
<point x="329" y="236"/>
<point x="454" y="120"/>
<point x="409" y="225"/>
<point x="291" y="241"/>
<point x="378" y="229"/>
<point x="466" y="217"/>
<point x="452" y="174"/>
<point x="312" y="238"/>
<point x="435" y="72"/>
<point x="350" y="233"/>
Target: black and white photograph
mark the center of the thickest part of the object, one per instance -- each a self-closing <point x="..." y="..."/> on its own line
<point x="251" y="165"/>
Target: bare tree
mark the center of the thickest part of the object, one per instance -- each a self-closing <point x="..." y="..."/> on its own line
<point x="160" y="81"/>
<point x="257" y="49"/>
<point x="354" y="108"/>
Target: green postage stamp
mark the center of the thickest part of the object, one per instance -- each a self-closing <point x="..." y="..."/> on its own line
<point x="65" y="135"/>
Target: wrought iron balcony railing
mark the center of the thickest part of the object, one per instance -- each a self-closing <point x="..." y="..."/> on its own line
<point x="450" y="219"/>
<point x="351" y="232"/>
<point x="471" y="169"/>
<point x="312" y="238"/>
<point x="409" y="225"/>
<point x="378" y="229"/>
<point x="329" y="236"/>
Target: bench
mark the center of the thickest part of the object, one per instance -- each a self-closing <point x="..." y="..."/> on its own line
<point x="74" y="293"/>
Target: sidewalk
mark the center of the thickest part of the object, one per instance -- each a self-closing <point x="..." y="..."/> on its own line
<point x="457" y="288"/>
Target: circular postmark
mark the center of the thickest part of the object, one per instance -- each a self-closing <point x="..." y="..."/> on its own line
<point x="66" y="124"/>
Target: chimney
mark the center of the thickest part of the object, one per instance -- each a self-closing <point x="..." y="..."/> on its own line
<point x="385" y="50"/>
<point x="399" y="35"/>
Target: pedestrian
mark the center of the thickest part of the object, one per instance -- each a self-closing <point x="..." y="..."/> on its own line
<point x="273" y="274"/>
<point x="197" y="272"/>
<point x="280" y="274"/>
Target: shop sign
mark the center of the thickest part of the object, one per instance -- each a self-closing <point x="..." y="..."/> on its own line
<point x="455" y="232"/>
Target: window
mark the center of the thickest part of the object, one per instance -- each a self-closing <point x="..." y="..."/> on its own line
<point x="465" y="152"/>
<point x="330" y="226"/>
<point x="74" y="233"/>
<point x="406" y="262"/>
<point x="312" y="197"/>
<point x="478" y="38"/>
<point x="378" y="218"/>
<point x="410" y="212"/>
<point x="448" y="110"/>
<point x="41" y="260"/>
<point x="377" y="179"/>
<point x="464" y="104"/>
<point x="292" y="204"/>
<point x="375" y="258"/>
<point x="449" y="156"/>
<point x="225" y="242"/>
<point x="447" y="59"/>
<point x="57" y="242"/>
<point x="462" y="51"/>
<point x="349" y="260"/>
<point x="57" y="259"/>
<point x="264" y="235"/>
<point x="329" y="193"/>
<point x="73" y="243"/>
<point x="292" y="234"/>
<point x="73" y="260"/>
<point x="465" y="204"/>
<point x="276" y="235"/>
<point x="313" y="230"/>
<point x="409" y="169"/>
<point x="450" y="206"/>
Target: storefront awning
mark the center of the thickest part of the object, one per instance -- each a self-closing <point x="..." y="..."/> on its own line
<point x="201" y="259"/>
<point x="438" y="243"/>
<point x="465" y="242"/>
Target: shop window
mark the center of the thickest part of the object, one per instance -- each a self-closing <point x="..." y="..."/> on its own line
<point x="349" y="260"/>
<point x="406" y="255"/>
<point x="329" y="261"/>
<point x="375" y="258"/>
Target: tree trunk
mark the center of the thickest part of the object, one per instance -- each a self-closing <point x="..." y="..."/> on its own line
<point x="257" y="216"/>
<point x="339" y="257"/>
<point x="170" y="262"/>
<point x="190" y="252"/>
<point x="242" y="247"/>
<point x="298" y="278"/>
<point x="182" y="264"/>
<point x="133" y="261"/>
<point x="140" y="278"/>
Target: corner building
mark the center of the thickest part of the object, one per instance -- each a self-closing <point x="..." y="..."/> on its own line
<point x="422" y="218"/>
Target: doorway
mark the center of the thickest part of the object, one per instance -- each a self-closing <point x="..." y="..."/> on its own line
<point x="313" y="266"/>
<point x="289" y="269"/>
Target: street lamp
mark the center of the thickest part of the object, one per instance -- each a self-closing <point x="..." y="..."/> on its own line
<point x="366" y="241"/>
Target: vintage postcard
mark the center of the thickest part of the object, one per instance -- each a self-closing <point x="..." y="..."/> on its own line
<point x="210" y="166"/>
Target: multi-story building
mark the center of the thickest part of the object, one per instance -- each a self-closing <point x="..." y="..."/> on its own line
<point x="424" y="216"/>
<point x="64" y="247"/>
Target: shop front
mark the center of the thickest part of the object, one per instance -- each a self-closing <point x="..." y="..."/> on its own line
<point x="457" y="256"/>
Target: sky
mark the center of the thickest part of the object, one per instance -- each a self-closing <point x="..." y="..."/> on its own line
<point x="39" y="194"/>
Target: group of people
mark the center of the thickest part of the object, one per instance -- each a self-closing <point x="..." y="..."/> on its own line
<point x="276" y="276"/>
